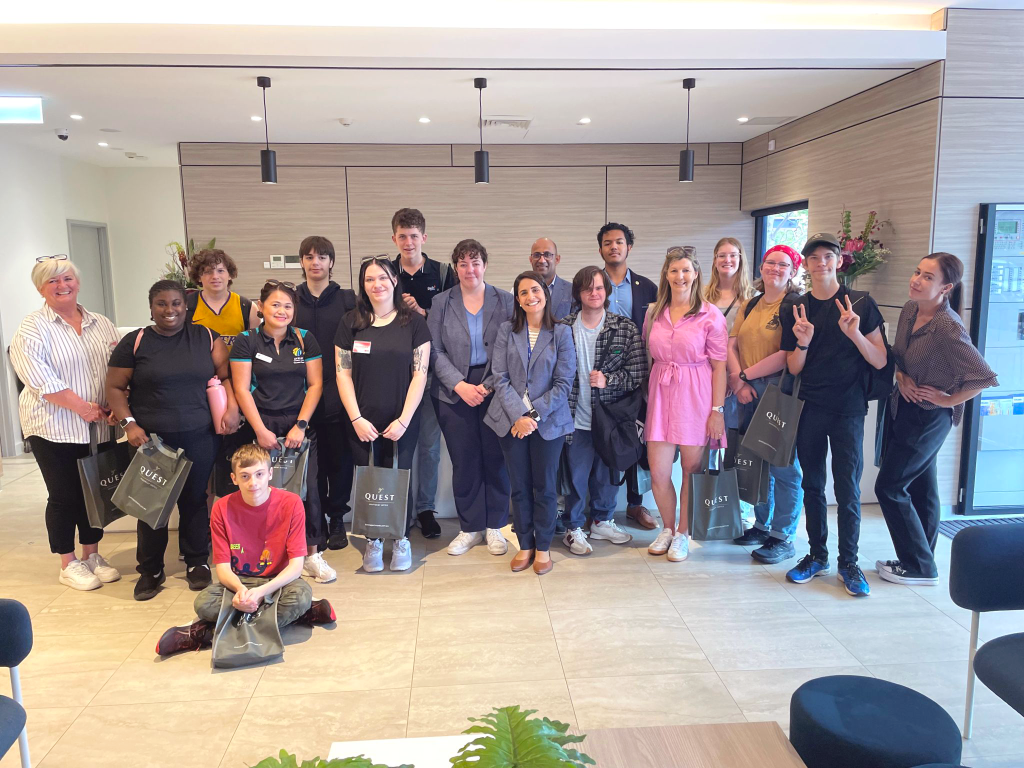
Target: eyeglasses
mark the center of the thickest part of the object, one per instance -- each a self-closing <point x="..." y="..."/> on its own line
<point x="777" y="265"/>
<point x="378" y="257"/>
<point x="278" y="284"/>
<point x="543" y="255"/>
<point x="55" y="257"/>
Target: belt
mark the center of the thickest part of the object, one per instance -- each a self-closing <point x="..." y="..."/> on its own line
<point x="669" y="372"/>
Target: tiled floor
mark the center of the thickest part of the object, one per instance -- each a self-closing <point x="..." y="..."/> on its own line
<point x="614" y="639"/>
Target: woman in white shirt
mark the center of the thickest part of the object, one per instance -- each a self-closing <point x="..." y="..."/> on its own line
<point x="60" y="352"/>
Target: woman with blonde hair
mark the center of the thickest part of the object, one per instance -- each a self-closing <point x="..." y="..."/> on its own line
<point x="687" y="344"/>
<point x="729" y="286"/>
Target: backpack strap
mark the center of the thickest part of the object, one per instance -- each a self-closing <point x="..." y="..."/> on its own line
<point x="246" y="311"/>
<point x="751" y="304"/>
<point x="302" y="343"/>
<point x="138" y="340"/>
<point x="444" y="269"/>
<point x="211" y="338"/>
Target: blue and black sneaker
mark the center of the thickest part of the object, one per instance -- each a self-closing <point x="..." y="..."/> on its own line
<point x="807" y="569"/>
<point x="853" y="579"/>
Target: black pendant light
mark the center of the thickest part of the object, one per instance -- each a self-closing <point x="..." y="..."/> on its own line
<point x="481" y="161"/>
<point x="686" y="156"/>
<point x="268" y="157"/>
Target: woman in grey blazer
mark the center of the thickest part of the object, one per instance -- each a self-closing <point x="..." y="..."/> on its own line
<point x="532" y="367"/>
<point x="464" y="322"/>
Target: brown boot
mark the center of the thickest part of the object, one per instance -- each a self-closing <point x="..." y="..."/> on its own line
<point x="320" y="612"/>
<point x="190" y="638"/>
<point x="638" y="513"/>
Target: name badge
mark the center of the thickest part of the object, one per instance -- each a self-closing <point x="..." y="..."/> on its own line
<point x="264" y="358"/>
<point x="361" y="347"/>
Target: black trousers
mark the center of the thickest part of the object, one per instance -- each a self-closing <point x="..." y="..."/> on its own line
<point x="333" y="470"/>
<point x="65" y="503"/>
<point x="533" y="469"/>
<point x="479" y="479"/>
<point x="820" y="430"/>
<point x="384" y="455"/>
<point x="907" y="485"/>
<point x="200" y="446"/>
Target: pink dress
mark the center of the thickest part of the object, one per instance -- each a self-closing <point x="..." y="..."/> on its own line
<point x="679" y="390"/>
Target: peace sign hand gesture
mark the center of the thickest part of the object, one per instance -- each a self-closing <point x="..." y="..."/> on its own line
<point x="849" y="321"/>
<point x="802" y="328"/>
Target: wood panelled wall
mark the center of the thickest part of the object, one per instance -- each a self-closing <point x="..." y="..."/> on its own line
<point x="349" y="192"/>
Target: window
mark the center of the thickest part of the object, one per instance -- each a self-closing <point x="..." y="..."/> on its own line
<point x="783" y="225"/>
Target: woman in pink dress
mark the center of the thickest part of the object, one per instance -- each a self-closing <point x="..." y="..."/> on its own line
<point x="687" y="343"/>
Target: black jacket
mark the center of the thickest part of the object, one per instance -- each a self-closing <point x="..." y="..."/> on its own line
<point x="321" y="315"/>
<point x="644" y="293"/>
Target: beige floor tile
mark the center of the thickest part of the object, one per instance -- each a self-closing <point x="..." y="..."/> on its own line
<point x="377" y="654"/>
<point x="1004" y="761"/>
<point x="606" y="557"/>
<point x="486" y="647"/>
<point x="443" y="710"/>
<point x="625" y="641"/>
<point x="382" y="595"/>
<point x="753" y="585"/>
<point x="565" y="589"/>
<point x="307" y="725"/>
<point x="109" y="609"/>
<point x="626" y="702"/>
<point x="153" y="735"/>
<point x="764" y="694"/>
<point x="34" y="598"/>
<point x="468" y="588"/>
<point x="68" y="670"/>
<point x="704" y="556"/>
<point x="45" y="727"/>
<point x="768" y="636"/>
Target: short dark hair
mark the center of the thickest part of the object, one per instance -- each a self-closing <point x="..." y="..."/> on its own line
<point x="207" y="259"/>
<point x="610" y="227"/>
<point x="585" y="279"/>
<point x="317" y="244"/>
<point x="165" y="285"/>
<point x="519" y="315"/>
<point x="467" y="248"/>
<point x="408" y="218"/>
<point x="269" y="288"/>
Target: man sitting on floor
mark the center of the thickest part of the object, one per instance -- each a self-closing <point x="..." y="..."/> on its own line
<point x="259" y="545"/>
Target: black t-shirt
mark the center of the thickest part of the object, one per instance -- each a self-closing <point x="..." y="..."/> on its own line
<point x="835" y="374"/>
<point x="382" y="365"/>
<point x="167" y="392"/>
<point x="428" y="281"/>
<point x="278" y="380"/>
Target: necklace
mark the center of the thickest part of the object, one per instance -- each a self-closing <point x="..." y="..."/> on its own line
<point x="386" y="314"/>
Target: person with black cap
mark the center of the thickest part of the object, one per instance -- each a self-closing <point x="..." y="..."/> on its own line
<point x="832" y="338"/>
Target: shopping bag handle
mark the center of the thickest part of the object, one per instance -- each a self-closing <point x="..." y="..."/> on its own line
<point x="394" y="457"/>
<point x="718" y="454"/>
<point x="796" y="382"/>
<point x="286" y="451"/>
<point x="158" y="444"/>
<point x="94" y="438"/>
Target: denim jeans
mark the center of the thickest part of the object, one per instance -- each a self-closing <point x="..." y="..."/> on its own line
<point x="588" y="472"/>
<point x="428" y="454"/>
<point x="820" y="430"/>
<point x="781" y="513"/>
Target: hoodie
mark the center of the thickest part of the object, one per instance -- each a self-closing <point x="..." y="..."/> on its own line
<point x="321" y="315"/>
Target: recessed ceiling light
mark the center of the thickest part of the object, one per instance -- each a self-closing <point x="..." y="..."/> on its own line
<point x="256" y="119"/>
<point x="75" y="117"/>
<point x="742" y="119"/>
<point x="584" y="121"/>
<point x="424" y="119"/>
<point x="103" y="144"/>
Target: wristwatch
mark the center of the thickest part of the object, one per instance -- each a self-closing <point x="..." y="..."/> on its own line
<point x="532" y="413"/>
<point x="719" y="408"/>
<point x="123" y="423"/>
<point x="743" y="377"/>
<point x="302" y="424"/>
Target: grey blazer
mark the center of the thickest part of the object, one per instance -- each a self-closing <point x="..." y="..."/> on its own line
<point x="561" y="297"/>
<point x="450" y="346"/>
<point x="547" y="373"/>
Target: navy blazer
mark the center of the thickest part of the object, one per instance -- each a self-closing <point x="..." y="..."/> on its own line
<point x="644" y="293"/>
<point x="547" y="373"/>
<point x="450" y="347"/>
<point x="561" y="297"/>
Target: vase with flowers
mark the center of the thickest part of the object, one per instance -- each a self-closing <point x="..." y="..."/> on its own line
<point x="176" y="268"/>
<point x="861" y="252"/>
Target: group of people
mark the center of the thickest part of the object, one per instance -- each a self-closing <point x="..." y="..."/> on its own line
<point x="513" y="380"/>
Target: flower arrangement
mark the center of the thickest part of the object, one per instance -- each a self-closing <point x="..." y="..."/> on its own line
<point x="176" y="268"/>
<point x="861" y="253"/>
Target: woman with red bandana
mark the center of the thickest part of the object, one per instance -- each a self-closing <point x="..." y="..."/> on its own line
<point x="755" y="361"/>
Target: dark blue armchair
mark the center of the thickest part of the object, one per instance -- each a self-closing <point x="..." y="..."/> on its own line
<point x="15" y="644"/>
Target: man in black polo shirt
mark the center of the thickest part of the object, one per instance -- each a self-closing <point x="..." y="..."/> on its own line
<point x="420" y="279"/>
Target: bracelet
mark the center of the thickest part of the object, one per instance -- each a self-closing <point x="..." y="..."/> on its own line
<point x="404" y="426"/>
<point x="803" y="348"/>
<point x="357" y="418"/>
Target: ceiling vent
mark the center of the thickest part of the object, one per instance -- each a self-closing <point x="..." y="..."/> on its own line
<point x="507" y="121"/>
<point x="769" y="120"/>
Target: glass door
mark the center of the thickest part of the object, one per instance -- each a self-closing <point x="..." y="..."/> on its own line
<point x="783" y="225"/>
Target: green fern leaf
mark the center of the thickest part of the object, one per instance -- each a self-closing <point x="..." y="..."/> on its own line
<point x="513" y="740"/>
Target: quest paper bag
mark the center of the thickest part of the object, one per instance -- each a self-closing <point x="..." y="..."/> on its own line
<point x="714" y="507"/>
<point x="771" y="433"/>
<point x="100" y="474"/>
<point x="152" y="483"/>
<point x="241" y="639"/>
<point x="380" y="502"/>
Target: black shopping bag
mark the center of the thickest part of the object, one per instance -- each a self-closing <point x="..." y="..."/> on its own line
<point x="380" y="501"/>
<point x="152" y="483"/>
<point x="617" y="430"/>
<point x="100" y="473"/>
<point x="289" y="467"/>
<point x="771" y="433"/>
<point x="242" y="639"/>
<point x="753" y="474"/>
<point x="714" y="503"/>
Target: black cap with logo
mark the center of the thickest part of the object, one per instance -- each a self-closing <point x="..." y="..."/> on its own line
<point x="821" y="238"/>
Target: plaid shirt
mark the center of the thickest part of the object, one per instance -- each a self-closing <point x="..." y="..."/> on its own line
<point x="619" y="355"/>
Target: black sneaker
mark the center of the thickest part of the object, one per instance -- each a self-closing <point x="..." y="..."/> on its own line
<point x="198" y="577"/>
<point x="560" y="527"/>
<point x="429" y="526"/>
<point x="774" y="551"/>
<point x="752" y="537"/>
<point x="894" y="572"/>
<point x="148" y="585"/>
<point x="338" y="538"/>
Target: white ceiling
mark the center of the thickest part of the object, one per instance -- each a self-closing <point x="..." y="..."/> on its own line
<point x="154" y="108"/>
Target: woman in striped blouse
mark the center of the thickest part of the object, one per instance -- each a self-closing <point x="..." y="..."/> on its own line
<point x="938" y="369"/>
<point x="60" y="352"/>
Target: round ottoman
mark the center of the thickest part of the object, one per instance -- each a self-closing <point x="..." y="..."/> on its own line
<point x="847" y="721"/>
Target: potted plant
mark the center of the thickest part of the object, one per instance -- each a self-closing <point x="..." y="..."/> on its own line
<point x="176" y="268"/>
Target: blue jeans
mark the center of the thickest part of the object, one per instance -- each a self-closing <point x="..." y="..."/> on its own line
<point x="428" y="454"/>
<point x="588" y="472"/>
<point x="781" y="513"/>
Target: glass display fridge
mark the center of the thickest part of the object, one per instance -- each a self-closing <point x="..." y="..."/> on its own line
<point x="992" y="454"/>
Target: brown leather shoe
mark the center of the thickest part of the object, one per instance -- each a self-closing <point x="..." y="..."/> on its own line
<point x="641" y="517"/>
<point x="541" y="568"/>
<point x="522" y="560"/>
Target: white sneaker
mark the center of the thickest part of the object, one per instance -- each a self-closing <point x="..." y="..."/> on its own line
<point x="401" y="555"/>
<point x="78" y="576"/>
<point x="496" y="542"/>
<point x="373" y="557"/>
<point x="576" y="540"/>
<point x="607" y="530"/>
<point x="661" y="544"/>
<point x="318" y="570"/>
<point x="465" y="541"/>
<point x="680" y="548"/>
<point x="103" y="570"/>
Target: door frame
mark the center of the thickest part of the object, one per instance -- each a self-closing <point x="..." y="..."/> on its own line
<point x="106" y="273"/>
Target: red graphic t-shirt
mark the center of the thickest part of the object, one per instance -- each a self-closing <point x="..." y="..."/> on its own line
<point x="258" y="541"/>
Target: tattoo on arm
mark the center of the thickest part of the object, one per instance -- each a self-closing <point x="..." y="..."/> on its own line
<point x="344" y="359"/>
<point x="419" y="360"/>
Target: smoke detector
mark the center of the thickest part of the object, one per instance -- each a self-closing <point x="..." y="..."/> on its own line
<point x="345" y="121"/>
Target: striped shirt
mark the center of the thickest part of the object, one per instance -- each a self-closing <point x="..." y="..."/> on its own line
<point x="938" y="354"/>
<point x="49" y="356"/>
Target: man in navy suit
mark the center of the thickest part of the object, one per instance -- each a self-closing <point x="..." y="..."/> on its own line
<point x="544" y="259"/>
<point x="631" y="294"/>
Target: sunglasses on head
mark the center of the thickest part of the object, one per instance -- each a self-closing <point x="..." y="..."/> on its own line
<point x="679" y="251"/>
<point x="378" y="257"/>
<point x="55" y="257"/>
<point x="278" y="284"/>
